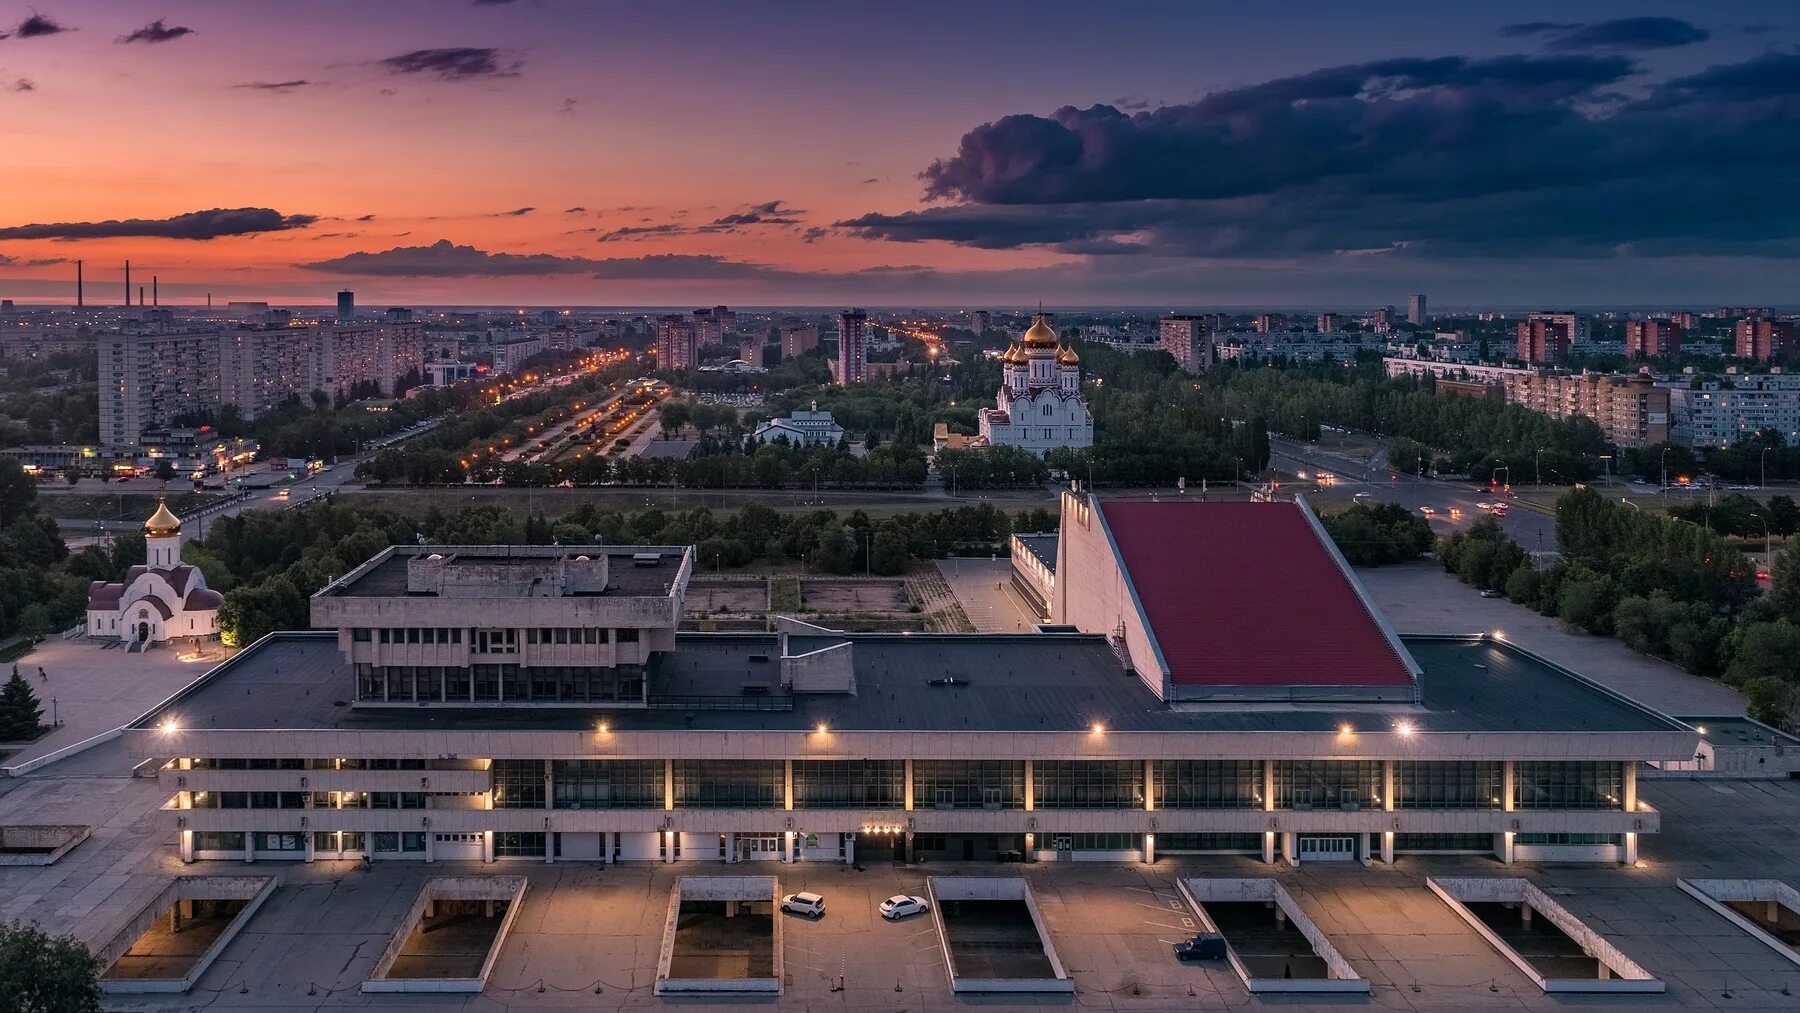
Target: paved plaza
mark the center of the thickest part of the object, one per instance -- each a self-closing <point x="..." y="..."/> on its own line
<point x="97" y="689"/>
<point x="984" y="589"/>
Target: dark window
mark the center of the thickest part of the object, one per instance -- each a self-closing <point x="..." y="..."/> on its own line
<point x="729" y="784"/>
<point x="849" y="784"/>
<point x="1088" y="784"/>
<point x="518" y="784"/>
<point x="608" y="784"/>
<point x="1209" y="784"/>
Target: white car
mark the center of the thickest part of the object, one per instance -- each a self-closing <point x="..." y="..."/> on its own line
<point x="811" y="905"/>
<point x="901" y="906"/>
<point x="1428" y="511"/>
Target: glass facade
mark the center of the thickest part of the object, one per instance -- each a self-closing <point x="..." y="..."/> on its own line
<point x="1443" y="842"/>
<point x="1568" y="785"/>
<point x="849" y="784"/>
<point x="1208" y="842"/>
<point x="1087" y="784"/>
<point x="729" y="784"/>
<point x="518" y="784"/>
<point x="1328" y="784"/>
<point x="1451" y="785"/>
<point x="608" y="784"/>
<point x="1209" y="784"/>
<point x="519" y="844"/>
<point x="968" y="784"/>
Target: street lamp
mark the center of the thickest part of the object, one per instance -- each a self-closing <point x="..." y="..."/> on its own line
<point x="1664" y="468"/>
<point x="1537" y="462"/>
<point x="1768" y="544"/>
<point x="1764" y="483"/>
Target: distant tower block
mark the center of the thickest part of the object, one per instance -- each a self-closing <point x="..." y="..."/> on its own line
<point x="128" y="284"/>
<point x="346" y="306"/>
<point x="79" y="303"/>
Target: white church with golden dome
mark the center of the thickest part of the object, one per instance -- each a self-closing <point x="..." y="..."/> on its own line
<point x="164" y="600"/>
<point x="1040" y="405"/>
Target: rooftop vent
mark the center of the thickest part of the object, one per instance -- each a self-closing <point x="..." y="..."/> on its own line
<point x="948" y="680"/>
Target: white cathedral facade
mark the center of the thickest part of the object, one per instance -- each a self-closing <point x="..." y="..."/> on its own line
<point x="164" y="600"/>
<point x="1040" y="405"/>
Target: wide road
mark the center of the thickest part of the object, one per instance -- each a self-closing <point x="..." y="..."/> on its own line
<point x="1535" y="532"/>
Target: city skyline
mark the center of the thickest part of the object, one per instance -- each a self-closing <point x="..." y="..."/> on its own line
<point x="523" y="153"/>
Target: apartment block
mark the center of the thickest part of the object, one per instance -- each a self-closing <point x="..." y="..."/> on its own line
<point x="1649" y="339"/>
<point x="1764" y="340"/>
<point x="1189" y="339"/>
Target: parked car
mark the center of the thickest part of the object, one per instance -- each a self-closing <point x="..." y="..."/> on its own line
<point x="901" y="906"/>
<point x="1488" y="592"/>
<point x="810" y="905"/>
<point x="1205" y="946"/>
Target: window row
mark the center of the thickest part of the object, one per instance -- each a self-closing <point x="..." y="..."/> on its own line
<point x="310" y="763"/>
<point x="308" y="800"/>
<point x="499" y="683"/>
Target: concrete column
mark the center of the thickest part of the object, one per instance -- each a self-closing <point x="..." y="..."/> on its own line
<point x="487" y="845"/>
<point x="1149" y="848"/>
<point x="606" y="842"/>
<point x="787" y="846"/>
<point x="1387" y="785"/>
<point x="909" y="795"/>
<point x="309" y="844"/>
<point x="1290" y="847"/>
<point x="911" y="855"/>
<point x="430" y="846"/>
<point x="1525" y="915"/>
<point x="1504" y="846"/>
<point x="669" y="784"/>
<point x="787" y="784"/>
<point x="1269" y="846"/>
<point x="1030" y="786"/>
<point x="1605" y="972"/>
<point x="187" y="846"/>
<point x="549" y="784"/>
<point x="1628" y="781"/>
<point x="549" y="846"/>
<point x="1269" y="785"/>
<point x="249" y="846"/>
<point x="1387" y="846"/>
<point x="731" y="854"/>
<point x="1630" y="849"/>
<point x="1149" y="785"/>
<point x="1362" y="848"/>
<point x="1508" y="794"/>
<point x="849" y="849"/>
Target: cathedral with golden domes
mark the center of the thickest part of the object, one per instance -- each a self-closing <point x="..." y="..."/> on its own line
<point x="1040" y="405"/>
<point x="164" y="600"/>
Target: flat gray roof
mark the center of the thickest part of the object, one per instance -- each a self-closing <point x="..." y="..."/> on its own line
<point x="386" y="576"/>
<point x="1043" y="547"/>
<point x="1006" y="682"/>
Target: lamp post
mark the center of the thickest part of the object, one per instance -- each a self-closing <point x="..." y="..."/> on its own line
<point x="1664" y="468"/>
<point x="1768" y="544"/>
<point x="1537" y="463"/>
<point x="1606" y="465"/>
<point x="1763" y="483"/>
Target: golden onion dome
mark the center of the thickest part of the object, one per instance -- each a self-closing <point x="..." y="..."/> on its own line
<point x="1066" y="357"/>
<point x="163" y="523"/>
<point x="1040" y="335"/>
<point x="1015" y="356"/>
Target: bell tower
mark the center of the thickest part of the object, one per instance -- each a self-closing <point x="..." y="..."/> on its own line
<point x="162" y="538"/>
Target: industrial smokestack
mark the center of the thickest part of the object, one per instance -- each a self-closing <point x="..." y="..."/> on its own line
<point x="78" y="293"/>
<point x="140" y="295"/>
<point x="209" y="300"/>
<point x="155" y="300"/>
<point x="128" y="284"/>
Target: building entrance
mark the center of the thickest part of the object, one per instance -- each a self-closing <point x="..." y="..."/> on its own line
<point x="1327" y="847"/>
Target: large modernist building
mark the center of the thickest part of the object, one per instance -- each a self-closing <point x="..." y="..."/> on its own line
<point x="1216" y="681"/>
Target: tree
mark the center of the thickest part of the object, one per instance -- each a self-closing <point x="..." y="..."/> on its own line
<point x="20" y="713"/>
<point x="1764" y="650"/>
<point x="34" y="622"/>
<point x="1771" y="700"/>
<point x="40" y="973"/>
<point x="18" y="493"/>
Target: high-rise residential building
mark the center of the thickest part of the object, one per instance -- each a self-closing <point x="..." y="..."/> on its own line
<point x="1685" y="319"/>
<point x="346" y="310"/>
<point x="981" y="321"/>
<point x="1763" y="340"/>
<point x="1631" y="409"/>
<point x="1268" y="323"/>
<point x="1575" y="326"/>
<point x="853" y="352"/>
<point x="259" y="369"/>
<point x="147" y="380"/>
<point x="1188" y="337"/>
<point x="798" y="337"/>
<point x="676" y="344"/>
<point x="1415" y="309"/>
<point x="1382" y="320"/>
<point x="1719" y="411"/>
<point x="1543" y="341"/>
<point x="1648" y="339"/>
<point x="1327" y="322"/>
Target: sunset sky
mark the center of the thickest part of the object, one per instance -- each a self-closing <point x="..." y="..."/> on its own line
<point x="1174" y="154"/>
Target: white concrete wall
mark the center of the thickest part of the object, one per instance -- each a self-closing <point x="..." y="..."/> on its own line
<point x="507" y="888"/>
<point x="1344" y="978"/>
<point x="1627" y="976"/>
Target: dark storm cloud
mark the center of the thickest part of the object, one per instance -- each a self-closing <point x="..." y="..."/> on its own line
<point x="156" y="31"/>
<point x="1529" y="28"/>
<point x="514" y="213"/>
<point x="1512" y="156"/>
<point x="1627" y="34"/>
<point x="277" y="86"/>
<point x="459" y="63"/>
<point x="444" y="259"/>
<point x="194" y="225"/>
<point x="38" y="26"/>
<point x="628" y="232"/>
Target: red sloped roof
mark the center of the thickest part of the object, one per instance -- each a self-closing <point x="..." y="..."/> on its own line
<point x="1246" y="594"/>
